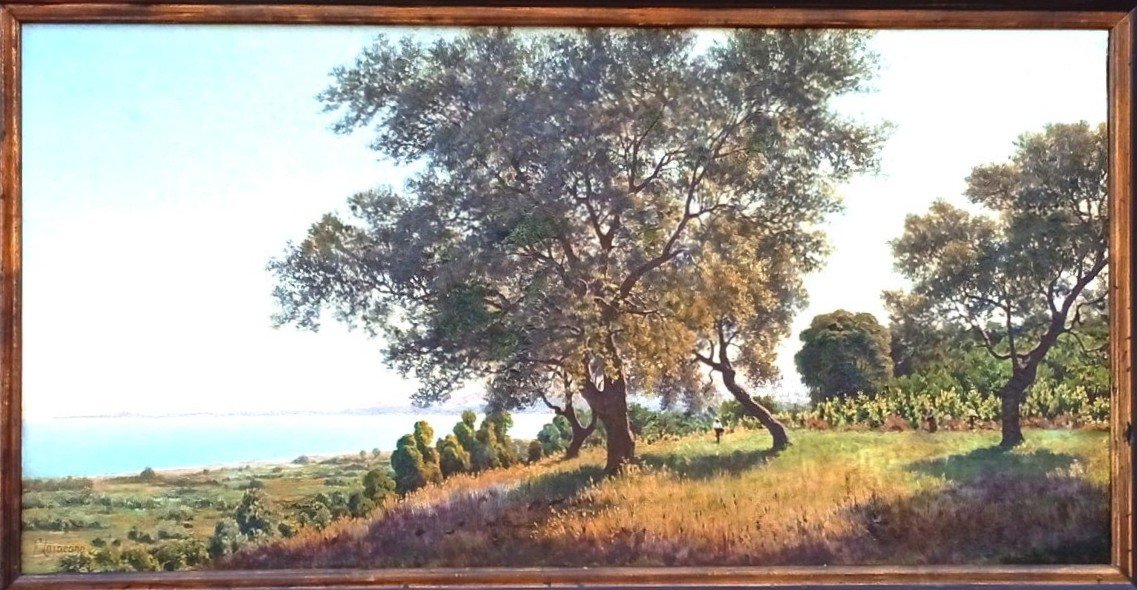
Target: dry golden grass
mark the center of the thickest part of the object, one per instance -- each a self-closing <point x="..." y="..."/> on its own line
<point x="832" y="498"/>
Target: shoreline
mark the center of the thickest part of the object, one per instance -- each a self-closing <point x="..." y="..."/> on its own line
<point x="182" y="471"/>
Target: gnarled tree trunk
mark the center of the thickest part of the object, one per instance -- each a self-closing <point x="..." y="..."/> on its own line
<point x="1012" y="396"/>
<point x="752" y="407"/>
<point x="580" y="432"/>
<point x="610" y="406"/>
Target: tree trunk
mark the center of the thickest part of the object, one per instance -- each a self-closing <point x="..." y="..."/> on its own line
<point x="610" y="406"/>
<point x="1012" y="396"/>
<point x="580" y="432"/>
<point x="776" y="428"/>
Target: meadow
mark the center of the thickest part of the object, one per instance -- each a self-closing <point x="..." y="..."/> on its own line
<point x="832" y="498"/>
<point x="835" y="497"/>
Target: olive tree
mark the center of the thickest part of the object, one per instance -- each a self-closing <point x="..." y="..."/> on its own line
<point x="563" y="178"/>
<point x="1028" y="265"/>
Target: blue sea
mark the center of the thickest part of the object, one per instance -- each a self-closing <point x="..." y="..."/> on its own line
<point x="58" y="447"/>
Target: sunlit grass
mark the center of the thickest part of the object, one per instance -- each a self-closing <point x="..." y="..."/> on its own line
<point x="832" y="498"/>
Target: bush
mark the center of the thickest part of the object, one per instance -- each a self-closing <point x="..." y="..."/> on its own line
<point x="452" y="456"/>
<point x="411" y="472"/>
<point x="536" y="451"/>
<point x="255" y="516"/>
<point x="313" y="513"/>
<point x="378" y="484"/>
<point x="360" y="505"/>
<point x="226" y="539"/>
<point x="914" y="397"/>
<point x="550" y="440"/>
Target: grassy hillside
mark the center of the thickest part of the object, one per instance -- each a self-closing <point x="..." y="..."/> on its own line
<point x="833" y="498"/>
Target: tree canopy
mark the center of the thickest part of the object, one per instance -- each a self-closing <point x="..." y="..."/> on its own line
<point x="568" y="184"/>
<point x="844" y="353"/>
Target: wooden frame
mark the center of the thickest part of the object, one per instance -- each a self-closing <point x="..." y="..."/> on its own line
<point x="1118" y="17"/>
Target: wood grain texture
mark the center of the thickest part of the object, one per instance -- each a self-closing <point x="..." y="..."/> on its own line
<point x="1112" y="15"/>
<point x="558" y="16"/>
<point x="1121" y="78"/>
<point x="10" y="407"/>
<point x="611" y="576"/>
<point x="1120" y="6"/>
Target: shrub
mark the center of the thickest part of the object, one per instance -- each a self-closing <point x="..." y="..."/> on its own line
<point x="914" y="397"/>
<point x="536" y="451"/>
<point x="452" y="457"/>
<point x="410" y="470"/>
<point x="378" y="484"/>
<point x="139" y="560"/>
<point x="226" y="539"/>
<point x="360" y="505"/>
<point x="550" y="440"/>
<point x="255" y="515"/>
<point x="314" y="512"/>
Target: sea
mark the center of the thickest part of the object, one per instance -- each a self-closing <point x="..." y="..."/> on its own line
<point x="122" y="445"/>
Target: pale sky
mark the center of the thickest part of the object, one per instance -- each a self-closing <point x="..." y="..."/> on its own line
<point x="164" y="166"/>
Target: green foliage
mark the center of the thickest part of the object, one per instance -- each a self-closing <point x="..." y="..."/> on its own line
<point x="652" y="425"/>
<point x="732" y="414"/>
<point x="453" y="457"/>
<point x="313" y="512"/>
<point x="536" y="451"/>
<point x="227" y="538"/>
<point x="360" y="505"/>
<point x="912" y="400"/>
<point x="411" y="472"/>
<point x="378" y="484"/>
<point x="550" y="440"/>
<point x="569" y="181"/>
<point x="255" y="515"/>
<point x="843" y="354"/>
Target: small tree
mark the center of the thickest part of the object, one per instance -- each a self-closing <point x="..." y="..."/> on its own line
<point x="255" y="515"/>
<point x="844" y="353"/>
<point x="411" y="472"/>
<point x="551" y="439"/>
<point x="360" y="505"/>
<point x="378" y="484"/>
<point x="226" y="539"/>
<point x="424" y="442"/>
<point x="452" y="456"/>
<point x="1027" y="267"/>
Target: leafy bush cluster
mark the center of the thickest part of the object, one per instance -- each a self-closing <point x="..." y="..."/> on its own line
<point x="417" y="462"/>
<point x="256" y="518"/>
<point x="914" y="405"/>
<point x="646" y="424"/>
<point x="170" y="556"/>
<point x="62" y="524"/>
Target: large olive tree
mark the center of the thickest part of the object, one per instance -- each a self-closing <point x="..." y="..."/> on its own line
<point x="564" y="178"/>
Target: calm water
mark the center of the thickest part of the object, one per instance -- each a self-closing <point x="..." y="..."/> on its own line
<point x="58" y="447"/>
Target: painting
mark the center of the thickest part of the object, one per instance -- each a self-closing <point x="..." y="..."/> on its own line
<point x="373" y="297"/>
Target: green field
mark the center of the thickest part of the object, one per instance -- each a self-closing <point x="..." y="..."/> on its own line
<point x="835" y="497"/>
<point x="166" y="507"/>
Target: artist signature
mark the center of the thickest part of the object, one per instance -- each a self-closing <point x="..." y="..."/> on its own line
<point x="44" y="548"/>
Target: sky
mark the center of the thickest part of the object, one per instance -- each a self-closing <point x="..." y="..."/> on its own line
<point x="165" y="165"/>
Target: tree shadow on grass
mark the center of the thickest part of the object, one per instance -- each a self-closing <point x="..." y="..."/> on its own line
<point x="553" y="489"/>
<point x="976" y="465"/>
<point x="708" y="465"/>
<point x="481" y="527"/>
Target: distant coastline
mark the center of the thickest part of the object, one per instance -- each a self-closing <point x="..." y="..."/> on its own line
<point x="376" y="411"/>
<point x="117" y="444"/>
